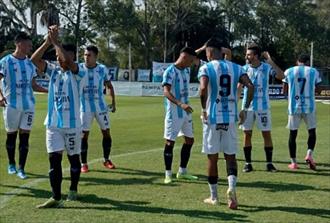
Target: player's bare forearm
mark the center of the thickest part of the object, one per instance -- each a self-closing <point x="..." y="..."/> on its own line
<point x="38" y="88"/>
<point x="285" y="89"/>
<point x="36" y="57"/>
<point x="279" y="72"/>
<point x="245" y="80"/>
<point x="203" y="90"/>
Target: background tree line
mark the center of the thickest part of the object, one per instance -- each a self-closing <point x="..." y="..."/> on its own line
<point x="158" y="29"/>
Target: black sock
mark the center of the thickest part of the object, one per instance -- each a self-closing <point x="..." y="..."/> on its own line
<point x="292" y="143"/>
<point x="311" y="139"/>
<point x="247" y="153"/>
<point x="23" y="149"/>
<point x="185" y="155"/>
<point x="269" y="153"/>
<point x="74" y="171"/>
<point x="168" y="156"/>
<point x="106" y="143"/>
<point x="55" y="174"/>
<point x="10" y="146"/>
<point x="231" y="167"/>
<point x="84" y="148"/>
<point x="212" y="179"/>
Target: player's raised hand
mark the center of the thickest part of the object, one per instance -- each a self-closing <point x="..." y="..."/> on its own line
<point x="53" y="35"/>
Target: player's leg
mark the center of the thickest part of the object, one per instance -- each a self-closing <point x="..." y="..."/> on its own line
<point x="263" y="121"/>
<point x="73" y="147"/>
<point x="171" y="131"/>
<point x="106" y="144"/>
<point x="268" y="150"/>
<point x="103" y="120"/>
<point x="310" y="121"/>
<point x="55" y="146"/>
<point x="11" y="119"/>
<point x="211" y="147"/>
<point x="247" y="148"/>
<point x="229" y="147"/>
<point x="187" y="131"/>
<point x="24" y="134"/>
<point x="212" y="178"/>
<point x="84" y="149"/>
<point x="293" y="125"/>
<point x="86" y="120"/>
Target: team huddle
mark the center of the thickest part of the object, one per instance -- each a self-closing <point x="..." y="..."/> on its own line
<point x="76" y="97"/>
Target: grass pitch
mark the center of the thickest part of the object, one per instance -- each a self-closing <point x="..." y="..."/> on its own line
<point x="134" y="192"/>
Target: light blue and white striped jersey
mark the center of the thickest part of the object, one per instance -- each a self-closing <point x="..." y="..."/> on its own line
<point x="179" y="81"/>
<point x="259" y="76"/>
<point x="91" y="88"/>
<point x="17" y="82"/>
<point x="301" y="82"/>
<point x="63" y="98"/>
<point x="223" y="76"/>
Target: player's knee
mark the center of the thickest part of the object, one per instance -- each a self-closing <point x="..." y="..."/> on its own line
<point x="55" y="161"/>
<point x="212" y="179"/>
<point x="248" y="134"/>
<point x="293" y="135"/>
<point x="312" y="132"/>
<point x="169" y="143"/>
<point x="189" y="141"/>
<point x="168" y="150"/>
<point x="85" y="135"/>
<point x="75" y="163"/>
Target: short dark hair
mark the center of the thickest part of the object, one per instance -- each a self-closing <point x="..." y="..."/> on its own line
<point x="215" y="43"/>
<point x="188" y="50"/>
<point x="70" y="48"/>
<point x="304" y="58"/>
<point x="93" y="49"/>
<point x="256" y="49"/>
<point x="21" y="36"/>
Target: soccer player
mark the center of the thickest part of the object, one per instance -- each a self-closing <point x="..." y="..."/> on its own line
<point x="260" y="74"/>
<point x="300" y="83"/>
<point x="62" y="122"/>
<point x="218" y="86"/>
<point x="17" y="76"/>
<point x="178" y="119"/>
<point x="93" y="104"/>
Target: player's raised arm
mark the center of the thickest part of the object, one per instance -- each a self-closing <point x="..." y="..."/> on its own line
<point x="279" y="72"/>
<point x="61" y="52"/>
<point x="36" y="57"/>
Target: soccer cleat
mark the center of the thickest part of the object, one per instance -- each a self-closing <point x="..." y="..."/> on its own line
<point x="247" y="168"/>
<point x="231" y="198"/>
<point x="84" y="168"/>
<point x="271" y="168"/>
<point x="168" y="180"/>
<point x="108" y="164"/>
<point x="209" y="200"/>
<point x="12" y="169"/>
<point x="293" y="166"/>
<point x="21" y="174"/>
<point x="51" y="203"/>
<point x="186" y="176"/>
<point x="72" y="195"/>
<point x="310" y="162"/>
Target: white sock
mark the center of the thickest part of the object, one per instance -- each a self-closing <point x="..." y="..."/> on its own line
<point x="168" y="173"/>
<point x="309" y="152"/>
<point x="293" y="160"/>
<point x="232" y="182"/>
<point x="182" y="170"/>
<point x="213" y="191"/>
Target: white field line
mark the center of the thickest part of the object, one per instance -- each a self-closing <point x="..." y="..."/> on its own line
<point x="6" y="197"/>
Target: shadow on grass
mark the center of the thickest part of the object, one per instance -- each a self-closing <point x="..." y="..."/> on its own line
<point x="138" y="206"/>
<point x="28" y="192"/>
<point x="323" y="213"/>
<point x="279" y="187"/>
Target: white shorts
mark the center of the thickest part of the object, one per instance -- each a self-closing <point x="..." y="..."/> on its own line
<point x="178" y="127"/>
<point x="102" y="119"/>
<point x="215" y="141"/>
<point x="60" y="139"/>
<point x="294" y="121"/>
<point x="262" y="118"/>
<point x="15" y="119"/>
